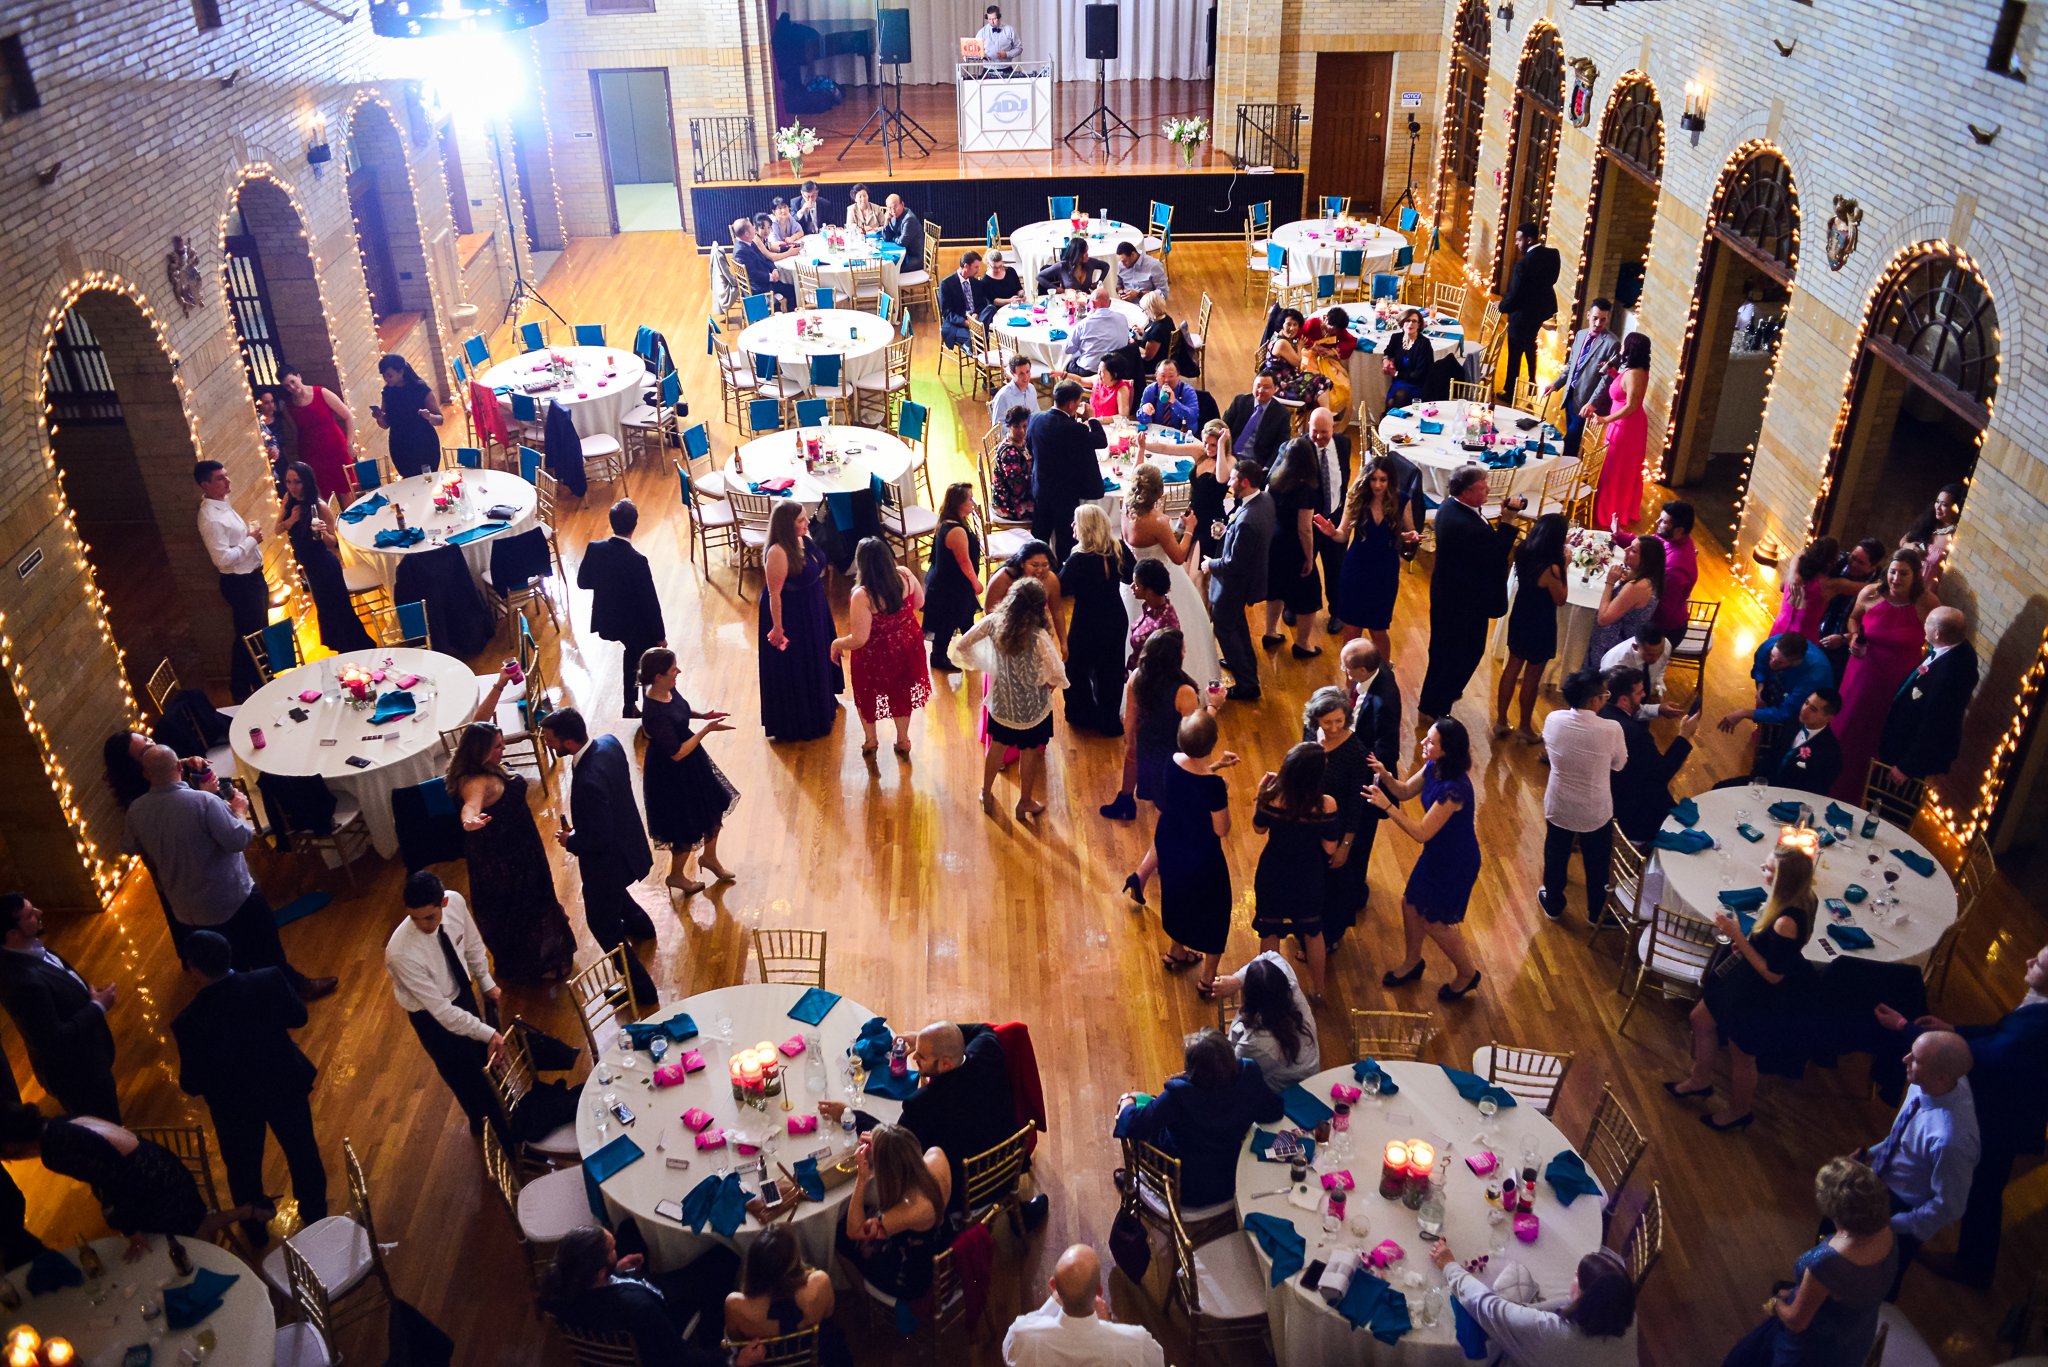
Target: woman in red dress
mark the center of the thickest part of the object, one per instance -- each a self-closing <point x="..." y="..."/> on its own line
<point x="886" y="640"/>
<point x="321" y="419"/>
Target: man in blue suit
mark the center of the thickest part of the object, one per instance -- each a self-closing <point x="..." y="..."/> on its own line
<point x="606" y="837"/>
<point x="2009" y="1059"/>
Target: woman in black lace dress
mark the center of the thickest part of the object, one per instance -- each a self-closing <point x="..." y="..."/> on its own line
<point x="308" y="521"/>
<point x="143" y="1188"/>
<point x="687" y="795"/>
<point x="511" y="886"/>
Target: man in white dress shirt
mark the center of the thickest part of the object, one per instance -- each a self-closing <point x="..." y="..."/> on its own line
<point x="432" y="958"/>
<point x="1578" y="802"/>
<point x="1073" y="1328"/>
<point x="236" y="549"/>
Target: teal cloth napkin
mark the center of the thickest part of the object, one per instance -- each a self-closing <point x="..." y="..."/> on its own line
<point x="393" y="537"/>
<point x="393" y="705"/>
<point x="1749" y="833"/>
<point x="1742" y="899"/>
<point x="1431" y="429"/>
<point x="1569" y="1179"/>
<point x="1686" y="812"/>
<point x="1855" y="893"/>
<point x="1474" y="1088"/>
<point x="606" y="1162"/>
<point x="367" y="508"/>
<point x="720" y="1200"/>
<point x="1281" y="1241"/>
<point x="52" y="1271"/>
<point x="1110" y="486"/>
<point x="185" y="1306"/>
<point x="806" y="1170"/>
<point x="1366" y="1067"/>
<point x="1303" y="1108"/>
<point x="1370" y="1303"/>
<point x="1850" y="937"/>
<point x="874" y="1043"/>
<point x="1918" y="863"/>
<point x="1399" y="413"/>
<point x="1787" y="810"/>
<point x="477" y="533"/>
<point x="1058" y="334"/>
<point x="814" y="1005"/>
<point x="677" y="1028"/>
<point x="755" y="488"/>
<point x="1262" y="1147"/>
<point x="1837" y="817"/>
<point x="1552" y="449"/>
<point x="1683" y="842"/>
<point x="881" y="1082"/>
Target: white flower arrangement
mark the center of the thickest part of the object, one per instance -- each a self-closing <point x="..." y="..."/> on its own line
<point x="1589" y="551"/>
<point x="1187" y="134"/>
<point x="796" y="142"/>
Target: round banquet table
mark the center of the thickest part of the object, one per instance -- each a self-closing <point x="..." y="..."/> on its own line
<point x="1029" y="328"/>
<point x="1577" y="615"/>
<point x="1308" y="1331"/>
<point x="608" y="381"/>
<point x="758" y="1011"/>
<point x="1312" y="246"/>
<point x="1368" y="381"/>
<point x="244" y="1327"/>
<point x="834" y="265"/>
<point x="481" y="489"/>
<point x="1437" y="456"/>
<point x="1164" y="447"/>
<point x="863" y="452"/>
<point x="1690" y="882"/>
<point x="861" y="338"/>
<point x="402" y="753"/>
<point x="1038" y="245"/>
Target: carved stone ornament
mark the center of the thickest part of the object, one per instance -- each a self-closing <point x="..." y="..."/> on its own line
<point x="1842" y="231"/>
<point x="1584" y="75"/>
<point x="181" y="268"/>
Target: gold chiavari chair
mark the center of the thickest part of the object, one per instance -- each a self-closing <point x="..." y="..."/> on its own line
<point x="1533" y="1077"/>
<point x="1614" y="1146"/>
<point x="790" y="956"/>
<point x="1383" y="1035"/>
<point x="1646" y="1244"/>
<point x="604" y="998"/>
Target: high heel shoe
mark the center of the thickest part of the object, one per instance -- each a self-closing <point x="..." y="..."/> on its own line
<point x="1134" y="889"/>
<point x="1685" y="1095"/>
<point x="1447" y="993"/>
<point x="1741" y="1122"/>
<point x="1393" y="979"/>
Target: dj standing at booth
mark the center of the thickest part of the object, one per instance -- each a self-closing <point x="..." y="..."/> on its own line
<point x="999" y="41"/>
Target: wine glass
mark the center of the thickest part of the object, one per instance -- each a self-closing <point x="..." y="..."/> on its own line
<point x="1371" y="1083"/>
<point x="1487" y="1107"/>
<point x="1891" y="881"/>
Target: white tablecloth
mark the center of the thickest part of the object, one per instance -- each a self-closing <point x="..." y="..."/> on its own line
<point x="445" y="697"/>
<point x="1030" y="329"/>
<point x="1308" y="1332"/>
<point x="608" y="381"/>
<point x="1577" y="615"/>
<point x="481" y="489"/>
<point x="1437" y="456"/>
<point x="1312" y="246"/>
<point x="834" y="264"/>
<point x="1037" y="245"/>
<point x="244" y="1328"/>
<point x="861" y="338"/>
<point x="758" y="1011"/>
<point x="1692" y="882"/>
<point x="1368" y="381"/>
<point x="863" y="452"/>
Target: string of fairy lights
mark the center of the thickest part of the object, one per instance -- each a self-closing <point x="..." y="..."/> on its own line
<point x="1542" y="32"/>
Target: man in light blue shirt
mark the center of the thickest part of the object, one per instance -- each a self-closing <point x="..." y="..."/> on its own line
<point x="999" y="41"/>
<point x="1020" y="392"/>
<point x="1136" y="273"/>
<point x="1101" y="331"/>
<point x="1930" y="1157"/>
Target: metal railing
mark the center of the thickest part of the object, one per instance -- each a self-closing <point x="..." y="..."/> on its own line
<point x="724" y="148"/>
<point x="1268" y="135"/>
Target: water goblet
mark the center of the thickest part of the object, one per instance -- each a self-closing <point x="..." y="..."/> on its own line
<point x="1487" y="1107"/>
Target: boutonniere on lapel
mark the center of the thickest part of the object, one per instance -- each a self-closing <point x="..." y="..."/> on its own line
<point x="1805" y="753"/>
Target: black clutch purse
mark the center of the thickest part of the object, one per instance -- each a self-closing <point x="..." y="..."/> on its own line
<point x="501" y="512"/>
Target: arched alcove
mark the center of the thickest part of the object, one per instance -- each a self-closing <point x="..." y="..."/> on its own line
<point x="1534" y="124"/>
<point x="1457" y="177"/>
<point x="1621" y="210"/>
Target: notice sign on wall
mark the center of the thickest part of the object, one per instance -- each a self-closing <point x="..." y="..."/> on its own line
<point x="1411" y="99"/>
<point x="28" y="564"/>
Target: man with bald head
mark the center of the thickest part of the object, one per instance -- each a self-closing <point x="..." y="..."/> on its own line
<point x="1930" y="1157"/>
<point x="1924" y="728"/>
<point x="1073" y="1328"/>
<point x="962" y="1104"/>
<point x="1097" y="333"/>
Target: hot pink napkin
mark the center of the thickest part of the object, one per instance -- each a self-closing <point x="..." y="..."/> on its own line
<point x="748" y="1150"/>
<point x="1388" y="1252"/>
<point x="668" y="1075"/>
<point x="310" y="695"/>
<point x="1526" y="1226"/>
<point x="691" y="1062"/>
<point x="792" y="1046"/>
<point x="784" y="483"/>
<point x="1482" y="1163"/>
<point x="408" y="681"/>
<point x="696" y="1118"/>
<point x="1345" y="1092"/>
<point x="1333" y="1181"/>
<point x="376" y="676"/>
<point x="803" y="1124"/>
<point x="711" y="1139"/>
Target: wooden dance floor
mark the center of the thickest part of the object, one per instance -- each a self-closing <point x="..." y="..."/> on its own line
<point x="938" y="911"/>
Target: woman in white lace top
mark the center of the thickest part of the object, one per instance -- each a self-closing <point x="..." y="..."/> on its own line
<point x="1014" y="646"/>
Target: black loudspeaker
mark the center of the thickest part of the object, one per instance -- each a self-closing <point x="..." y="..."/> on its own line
<point x="1101" y="32"/>
<point x="892" y="35"/>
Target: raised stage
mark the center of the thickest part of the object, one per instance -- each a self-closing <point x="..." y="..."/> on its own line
<point x="959" y="190"/>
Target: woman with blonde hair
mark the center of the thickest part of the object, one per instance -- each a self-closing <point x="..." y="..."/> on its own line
<point x="687" y="795"/>
<point x="894" y="1216"/>
<point x="1827" y="1315"/>
<point x="885" y="642"/>
<point x="1014" y="647"/>
<point x="1096" y="631"/>
<point x="1752" y="997"/>
<point x="1209" y="490"/>
<point x="1151" y="536"/>
<point x="511" y="886"/>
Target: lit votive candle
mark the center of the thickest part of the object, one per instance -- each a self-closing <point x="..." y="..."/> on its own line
<point x="1394" y="1170"/>
<point x="58" y="1353"/>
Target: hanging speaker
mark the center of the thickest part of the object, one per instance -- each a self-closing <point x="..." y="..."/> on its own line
<point x="1101" y="32"/>
<point x="892" y="35"/>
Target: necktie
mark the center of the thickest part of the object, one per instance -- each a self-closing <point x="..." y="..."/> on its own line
<point x="465" y="993"/>
<point x="1251" y="430"/>
<point x="1579" y="362"/>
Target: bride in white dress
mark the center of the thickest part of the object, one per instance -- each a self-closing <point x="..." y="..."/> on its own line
<point x="1151" y="537"/>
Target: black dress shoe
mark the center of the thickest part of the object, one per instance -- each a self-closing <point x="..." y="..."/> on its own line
<point x="1447" y="993"/>
<point x="1392" y="979"/>
<point x="1270" y="641"/>
<point x="1036" y="1211"/>
<point x="1541" y="901"/>
<point x="313" y="989"/>
<point x="1242" y="695"/>
<point x="1307" y="654"/>
<point x="1741" y="1122"/>
<point x="1123" y="807"/>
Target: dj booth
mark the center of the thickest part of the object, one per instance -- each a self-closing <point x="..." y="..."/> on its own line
<point x="1004" y="106"/>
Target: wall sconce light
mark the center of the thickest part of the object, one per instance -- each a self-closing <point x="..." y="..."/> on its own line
<point x="1767" y="552"/>
<point x="1506" y="13"/>
<point x="317" y="151"/>
<point x="1694" y="119"/>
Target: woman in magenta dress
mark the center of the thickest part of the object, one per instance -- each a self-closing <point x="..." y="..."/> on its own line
<point x="321" y="420"/>
<point x="1887" y="636"/>
<point x="1806" y="596"/>
<point x="1620" y="494"/>
<point x="886" y="643"/>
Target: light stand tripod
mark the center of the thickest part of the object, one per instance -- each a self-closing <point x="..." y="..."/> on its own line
<point x="1102" y="116"/>
<point x="1408" y="191"/>
<point x="524" y="291"/>
<point x="886" y="122"/>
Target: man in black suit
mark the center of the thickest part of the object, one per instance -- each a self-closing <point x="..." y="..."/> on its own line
<point x="811" y="210"/>
<point x="903" y="228"/>
<point x="959" y="300"/>
<point x="1924" y="728"/>
<point x="1332" y="452"/>
<point x="1257" y="423"/>
<point x="1468" y="587"/>
<point x="1063" y="441"/>
<point x="2008" y="1060"/>
<point x="606" y="837"/>
<point x="1642" y="787"/>
<point x="1812" y="758"/>
<point x="760" y="268"/>
<point x="235" y="1049"/>
<point x="962" y="1103"/>
<point x="17" y="1245"/>
<point x="1530" y="299"/>
<point x="590" y="1286"/>
<point x="624" y="606"/>
<point x="62" y="1019"/>
<point x="1237" y="577"/>
<point x="1376" y="716"/>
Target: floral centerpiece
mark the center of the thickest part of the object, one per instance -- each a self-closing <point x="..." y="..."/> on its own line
<point x="449" y="494"/>
<point x="358" y="683"/>
<point x="794" y="143"/>
<point x="1588" y="551"/>
<point x="560" y="368"/>
<point x="835" y="238"/>
<point x="1188" y="135"/>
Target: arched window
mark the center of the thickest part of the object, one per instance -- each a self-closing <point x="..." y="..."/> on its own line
<point x="1760" y="208"/>
<point x="1937" y="318"/>
<point x="1633" y="131"/>
<point x="1532" y="148"/>
<point x="1464" y="113"/>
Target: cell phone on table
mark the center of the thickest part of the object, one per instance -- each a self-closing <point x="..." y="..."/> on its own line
<point x="356" y="762"/>
<point x="137" y="1356"/>
<point x="622" y="1112"/>
<point x="669" y="1210"/>
<point x="1312" y="1275"/>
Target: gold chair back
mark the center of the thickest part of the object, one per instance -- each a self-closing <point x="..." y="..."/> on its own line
<point x="790" y="956"/>
<point x="604" y="993"/>
<point x="1383" y="1035"/>
<point x="1614" y="1145"/>
<point x="1533" y="1077"/>
<point x="1646" y="1245"/>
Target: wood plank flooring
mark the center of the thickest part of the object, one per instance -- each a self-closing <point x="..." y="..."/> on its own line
<point x="939" y="911"/>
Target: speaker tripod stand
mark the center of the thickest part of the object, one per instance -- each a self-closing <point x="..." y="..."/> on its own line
<point x="1408" y="191"/>
<point x="1102" y="116"/>
<point x="890" y="122"/>
<point x="524" y="291"/>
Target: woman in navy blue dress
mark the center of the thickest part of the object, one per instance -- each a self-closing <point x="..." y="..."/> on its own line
<point x="799" y="683"/>
<point x="1433" y="905"/>
<point x="1377" y="527"/>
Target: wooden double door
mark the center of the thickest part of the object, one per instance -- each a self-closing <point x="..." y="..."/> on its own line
<point x="1348" y="130"/>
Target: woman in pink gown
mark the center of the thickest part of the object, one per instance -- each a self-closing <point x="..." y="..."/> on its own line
<point x="1887" y="636"/>
<point x="1806" y="597"/>
<point x="321" y="420"/>
<point x="1620" y="494"/>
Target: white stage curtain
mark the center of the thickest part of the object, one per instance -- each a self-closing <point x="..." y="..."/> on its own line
<point x="1159" y="39"/>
